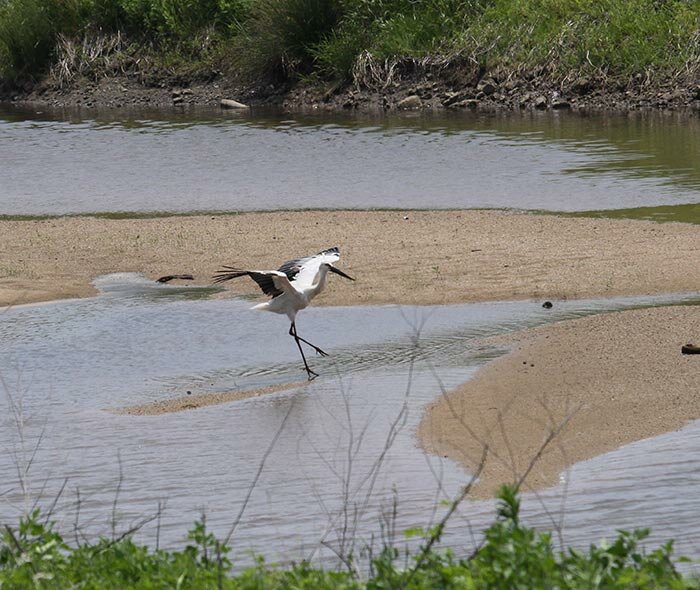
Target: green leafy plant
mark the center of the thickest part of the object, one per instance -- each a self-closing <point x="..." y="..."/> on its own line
<point x="28" y="33"/>
<point x="280" y="37"/>
<point x="512" y="556"/>
<point x="280" y="40"/>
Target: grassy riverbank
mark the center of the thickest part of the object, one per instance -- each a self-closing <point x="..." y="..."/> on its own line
<point x="512" y="555"/>
<point x="446" y="52"/>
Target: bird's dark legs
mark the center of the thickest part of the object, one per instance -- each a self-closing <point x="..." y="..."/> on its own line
<point x="293" y="332"/>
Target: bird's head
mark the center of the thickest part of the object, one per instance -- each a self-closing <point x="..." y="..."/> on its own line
<point x="339" y="272"/>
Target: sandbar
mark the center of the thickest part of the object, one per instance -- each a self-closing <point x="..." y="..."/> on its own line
<point x="411" y="257"/>
<point x="599" y="382"/>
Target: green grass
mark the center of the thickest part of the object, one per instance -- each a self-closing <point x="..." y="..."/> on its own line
<point x="280" y="35"/>
<point x="614" y="37"/>
<point x="181" y="31"/>
<point x="512" y="556"/>
<point x="559" y="38"/>
<point x="625" y="40"/>
<point x="28" y="33"/>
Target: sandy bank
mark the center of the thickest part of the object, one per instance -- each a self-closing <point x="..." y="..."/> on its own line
<point x="620" y="377"/>
<point x="410" y="258"/>
<point x="192" y="402"/>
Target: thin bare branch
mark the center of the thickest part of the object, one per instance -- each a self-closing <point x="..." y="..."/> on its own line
<point x="116" y="494"/>
<point x="258" y="473"/>
<point x="438" y="530"/>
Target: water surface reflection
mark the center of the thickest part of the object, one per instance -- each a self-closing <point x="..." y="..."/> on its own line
<point x="348" y="438"/>
<point x="77" y="162"/>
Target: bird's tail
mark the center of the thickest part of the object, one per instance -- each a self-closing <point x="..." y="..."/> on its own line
<point x="228" y="273"/>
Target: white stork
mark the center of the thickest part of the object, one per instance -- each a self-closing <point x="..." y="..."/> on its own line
<point x="292" y="287"/>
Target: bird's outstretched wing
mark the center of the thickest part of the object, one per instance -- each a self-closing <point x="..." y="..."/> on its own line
<point x="305" y="270"/>
<point x="272" y="282"/>
<point x="300" y="270"/>
<point x="292" y="267"/>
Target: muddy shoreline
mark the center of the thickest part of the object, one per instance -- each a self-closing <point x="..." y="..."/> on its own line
<point x="411" y="88"/>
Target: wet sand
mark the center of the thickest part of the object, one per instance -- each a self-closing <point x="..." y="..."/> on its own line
<point x="410" y="258"/>
<point x="611" y="379"/>
<point x="622" y="373"/>
<point x="195" y="401"/>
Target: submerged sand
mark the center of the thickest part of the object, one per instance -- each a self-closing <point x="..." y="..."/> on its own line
<point x="617" y="377"/>
<point x="202" y="400"/>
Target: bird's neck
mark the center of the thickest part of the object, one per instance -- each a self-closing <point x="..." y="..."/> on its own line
<point x="319" y="285"/>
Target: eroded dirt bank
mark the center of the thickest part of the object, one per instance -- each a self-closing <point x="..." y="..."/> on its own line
<point x="458" y="87"/>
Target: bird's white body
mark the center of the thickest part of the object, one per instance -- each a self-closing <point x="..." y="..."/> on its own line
<point x="298" y="293"/>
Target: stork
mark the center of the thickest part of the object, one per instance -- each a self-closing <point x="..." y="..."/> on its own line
<point x="292" y="287"/>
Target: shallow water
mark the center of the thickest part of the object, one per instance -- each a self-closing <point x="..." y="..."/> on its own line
<point x="58" y="162"/>
<point x="67" y="364"/>
<point x="688" y="213"/>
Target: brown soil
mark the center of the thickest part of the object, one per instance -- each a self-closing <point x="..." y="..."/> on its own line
<point x="418" y="257"/>
<point x="461" y="87"/>
<point x="412" y="87"/>
<point x="617" y="378"/>
<point x="126" y="93"/>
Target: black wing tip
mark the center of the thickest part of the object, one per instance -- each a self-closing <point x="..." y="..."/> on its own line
<point x="228" y="273"/>
<point x="333" y="250"/>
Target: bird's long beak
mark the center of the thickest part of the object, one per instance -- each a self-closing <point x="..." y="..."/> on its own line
<point x="339" y="272"/>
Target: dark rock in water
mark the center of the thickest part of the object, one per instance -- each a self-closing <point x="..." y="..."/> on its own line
<point x="547" y="305"/>
<point x="450" y="98"/>
<point x="168" y="278"/>
<point x="690" y="349"/>
<point x="540" y="102"/>
<point x="470" y="103"/>
<point x="560" y="103"/>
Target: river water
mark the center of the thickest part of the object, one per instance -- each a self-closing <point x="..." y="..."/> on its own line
<point x="348" y="441"/>
<point x="57" y="163"/>
<point x="347" y="449"/>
